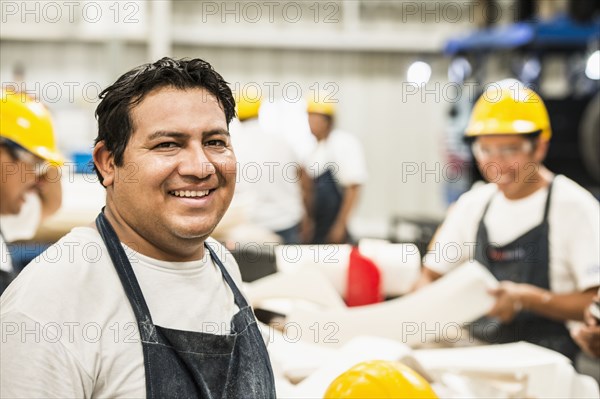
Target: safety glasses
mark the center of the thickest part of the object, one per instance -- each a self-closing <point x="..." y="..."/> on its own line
<point x="20" y="154"/>
<point x="482" y="152"/>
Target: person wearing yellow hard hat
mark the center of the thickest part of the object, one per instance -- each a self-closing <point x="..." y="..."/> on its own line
<point x="380" y="379"/>
<point x="337" y="168"/>
<point x="30" y="188"/>
<point x="268" y="186"/>
<point x="537" y="233"/>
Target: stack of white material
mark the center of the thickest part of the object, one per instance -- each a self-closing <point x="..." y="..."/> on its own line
<point x="438" y="311"/>
<point x="543" y="373"/>
<point x="500" y="371"/>
<point x="399" y="264"/>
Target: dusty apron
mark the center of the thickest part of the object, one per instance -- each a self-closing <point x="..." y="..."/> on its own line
<point x="326" y="206"/>
<point x="524" y="260"/>
<point x="188" y="364"/>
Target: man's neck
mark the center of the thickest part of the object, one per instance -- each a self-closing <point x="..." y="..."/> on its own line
<point x="171" y="250"/>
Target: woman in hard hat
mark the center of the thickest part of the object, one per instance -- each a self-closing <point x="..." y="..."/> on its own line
<point x="338" y="169"/>
<point x="536" y="232"/>
<point x="30" y="188"/>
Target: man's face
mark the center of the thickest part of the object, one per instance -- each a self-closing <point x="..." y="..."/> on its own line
<point x="320" y="125"/>
<point x="178" y="175"/>
<point x="18" y="176"/>
<point x="509" y="161"/>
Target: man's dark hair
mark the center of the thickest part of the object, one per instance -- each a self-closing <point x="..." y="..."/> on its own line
<point x="114" y="111"/>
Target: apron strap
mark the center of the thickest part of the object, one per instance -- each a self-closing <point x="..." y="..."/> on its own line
<point x="239" y="299"/>
<point x="130" y="283"/>
<point x="125" y="271"/>
<point x="487" y="206"/>
<point x="547" y="207"/>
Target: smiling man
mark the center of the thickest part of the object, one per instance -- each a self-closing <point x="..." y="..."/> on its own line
<point x="144" y="303"/>
<point x="536" y="232"/>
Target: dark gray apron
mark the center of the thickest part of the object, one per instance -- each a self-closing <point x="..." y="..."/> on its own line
<point x="524" y="260"/>
<point x="187" y="364"/>
<point x="327" y="202"/>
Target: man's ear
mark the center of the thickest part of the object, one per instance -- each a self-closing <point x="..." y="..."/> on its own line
<point x="105" y="164"/>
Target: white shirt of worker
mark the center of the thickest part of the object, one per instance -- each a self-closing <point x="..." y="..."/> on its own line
<point x="84" y="329"/>
<point x="268" y="180"/>
<point x="574" y="237"/>
<point x="5" y="259"/>
<point x="19" y="227"/>
<point x="342" y="152"/>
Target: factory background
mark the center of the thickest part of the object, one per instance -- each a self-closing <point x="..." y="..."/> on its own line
<point x="383" y="62"/>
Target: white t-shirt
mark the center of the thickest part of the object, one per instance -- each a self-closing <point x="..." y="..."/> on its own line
<point x="574" y="237"/>
<point x="268" y="180"/>
<point x="344" y="154"/>
<point x="69" y="331"/>
<point x="19" y="227"/>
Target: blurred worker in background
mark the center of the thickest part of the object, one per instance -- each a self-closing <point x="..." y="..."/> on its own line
<point x="269" y="175"/>
<point x="30" y="187"/>
<point x="338" y="169"/>
<point x="537" y="233"/>
<point x="149" y="307"/>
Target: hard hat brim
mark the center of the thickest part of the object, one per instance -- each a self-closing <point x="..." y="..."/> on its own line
<point x="53" y="157"/>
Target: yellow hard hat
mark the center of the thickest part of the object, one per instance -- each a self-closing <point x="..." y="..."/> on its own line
<point x="322" y="106"/>
<point x="508" y="107"/>
<point x="248" y="106"/>
<point x="27" y="123"/>
<point x="379" y="379"/>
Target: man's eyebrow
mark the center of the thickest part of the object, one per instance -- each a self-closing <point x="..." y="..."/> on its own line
<point x="215" y="132"/>
<point x="179" y="135"/>
<point x="162" y="133"/>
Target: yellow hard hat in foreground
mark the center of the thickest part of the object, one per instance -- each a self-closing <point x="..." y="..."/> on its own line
<point x="508" y="107"/>
<point x="27" y="123"/>
<point x="379" y="379"/>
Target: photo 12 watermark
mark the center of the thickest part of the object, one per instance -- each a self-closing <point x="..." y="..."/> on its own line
<point x="54" y="92"/>
<point x="270" y="12"/>
<point x="452" y="92"/>
<point x="290" y="91"/>
<point x="62" y="12"/>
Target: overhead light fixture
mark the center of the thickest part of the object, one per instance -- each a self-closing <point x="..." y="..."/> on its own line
<point x="592" y="67"/>
<point x="418" y="73"/>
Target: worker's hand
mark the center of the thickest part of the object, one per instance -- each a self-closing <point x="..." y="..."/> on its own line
<point x="508" y="301"/>
<point x="337" y="234"/>
<point x="588" y="339"/>
<point x="588" y="318"/>
<point x="588" y="336"/>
